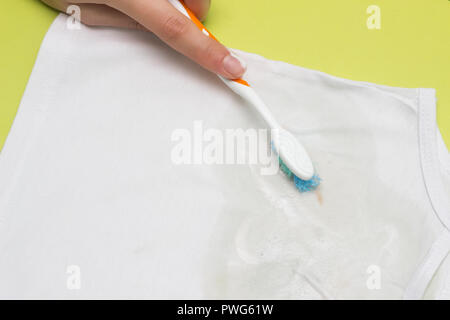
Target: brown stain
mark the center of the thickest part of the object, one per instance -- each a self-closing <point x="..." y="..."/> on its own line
<point x="319" y="196"/>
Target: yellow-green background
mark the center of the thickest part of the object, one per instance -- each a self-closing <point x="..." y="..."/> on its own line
<point x="412" y="48"/>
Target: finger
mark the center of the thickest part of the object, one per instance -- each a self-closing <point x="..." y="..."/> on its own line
<point x="105" y="16"/>
<point x="199" y="7"/>
<point x="98" y="15"/>
<point x="113" y="17"/>
<point x="180" y="33"/>
<point x="57" y="4"/>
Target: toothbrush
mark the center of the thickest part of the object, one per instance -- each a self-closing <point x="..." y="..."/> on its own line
<point x="293" y="158"/>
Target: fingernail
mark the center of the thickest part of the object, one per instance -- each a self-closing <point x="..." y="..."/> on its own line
<point x="234" y="65"/>
<point x="243" y="63"/>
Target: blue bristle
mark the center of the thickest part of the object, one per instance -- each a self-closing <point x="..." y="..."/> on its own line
<point x="300" y="184"/>
<point x="307" y="185"/>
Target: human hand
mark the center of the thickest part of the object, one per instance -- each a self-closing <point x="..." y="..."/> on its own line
<point x="161" y="18"/>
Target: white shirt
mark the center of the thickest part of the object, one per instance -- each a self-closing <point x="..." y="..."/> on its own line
<point x="93" y="206"/>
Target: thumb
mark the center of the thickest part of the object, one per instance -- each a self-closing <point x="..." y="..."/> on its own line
<point x="180" y="33"/>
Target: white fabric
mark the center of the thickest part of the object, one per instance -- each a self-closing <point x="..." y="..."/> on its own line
<point x="86" y="180"/>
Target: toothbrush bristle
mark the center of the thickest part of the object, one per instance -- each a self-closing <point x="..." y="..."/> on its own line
<point x="284" y="168"/>
<point x="300" y="184"/>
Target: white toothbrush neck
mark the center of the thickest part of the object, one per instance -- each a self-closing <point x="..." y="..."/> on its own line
<point x="248" y="94"/>
<point x="290" y="150"/>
